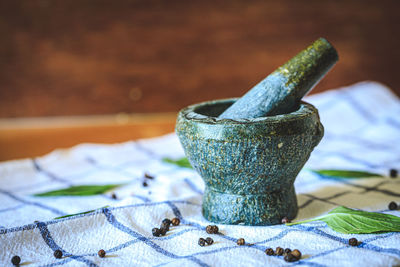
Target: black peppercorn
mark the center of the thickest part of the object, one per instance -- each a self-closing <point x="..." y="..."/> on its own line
<point x="202" y="242"/>
<point x="393" y="173"/>
<point x="163" y="231"/>
<point x="285" y="220"/>
<point x="296" y="253"/>
<point x="165" y="226"/>
<point x="113" y="196"/>
<point x="58" y="254"/>
<point x="240" y="241"/>
<point x="269" y="251"/>
<point x="393" y="206"/>
<point x="156" y="232"/>
<point x="166" y="221"/>
<point x="290" y="258"/>
<point x="148" y="176"/>
<point x="175" y="221"/>
<point x="209" y="240"/>
<point x="353" y="242"/>
<point x="279" y="251"/>
<point x="288" y="250"/>
<point x="212" y="229"/>
<point x="101" y="253"/>
<point x="15" y="260"/>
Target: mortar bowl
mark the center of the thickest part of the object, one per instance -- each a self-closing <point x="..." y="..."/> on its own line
<point x="248" y="165"/>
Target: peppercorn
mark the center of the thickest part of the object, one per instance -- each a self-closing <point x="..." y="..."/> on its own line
<point x="290" y="258"/>
<point x="353" y="242"/>
<point x="58" y="254"/>
<point x="212" y="229"/>
<point x="269" y="251"/>
<point x="240" y="241"/>
<point x="209" y="240"/>
<point x="202" y="242"/>
<point x="285" y="220"/>
<point x="15" y="260"/>
<point x="163" y="231"/>
<point x="296" y="253"/>
<point x="145" y="184"/>
<point x="156" y="232"/>
<point x="175" y="221"/>
<point x="279" y="251"/>
<point x="166" y="221"/>
<point x="288" y="250"/>
<point x="113" y="196"/>
<point x="164" y="226"/>
<point x="101" y="253"/>
<point x="148" y="176"/>
<point x="393" y="173"/>
<point x="393" y="206"/>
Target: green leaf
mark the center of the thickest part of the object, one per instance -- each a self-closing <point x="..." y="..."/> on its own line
<point x="349" y="221"/>
<point x="182" y="162"/>
<point x="346" y="174"/>
<point x="70" y="215"/>
<point x="80" y="190"/>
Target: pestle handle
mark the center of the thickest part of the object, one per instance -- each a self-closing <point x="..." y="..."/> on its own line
<point x="281" y="91"/>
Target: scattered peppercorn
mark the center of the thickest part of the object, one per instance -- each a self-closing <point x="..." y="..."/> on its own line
<point x="164" y="226"/>
<point x="101" y="253"/>
<point x="296" y="253"/>
<point x="145" y="184"/>
<point x="175" y="221"/>
<point x="393" y="173"/>
<point x="209" y="240"/>
<point x="285" y="220"/>
<point x="148" y="176"/>
<point x="353" y="242"/>
<point x="240" y="241"/>
<point x="156" y="232"/>
<point x="202" y="242"/>
<point x="113" y="196"/>
<point x="212" y="229"/>
<point x="393" y="206"/>
<point x="288" y="250"/>
<point x="290" y="258"/>
<point x="279" y="251"/>
<point x="166" y="221"/>
<point x="269" y="251"/>
<point x="163" y="231"/>
<point x="15" y="260"/>
<point x="58" y="254"/>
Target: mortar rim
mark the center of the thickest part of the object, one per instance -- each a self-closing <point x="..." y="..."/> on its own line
<point x="305" y="110"/>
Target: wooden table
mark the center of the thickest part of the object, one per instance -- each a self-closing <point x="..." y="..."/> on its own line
<point x="32" y="137"/>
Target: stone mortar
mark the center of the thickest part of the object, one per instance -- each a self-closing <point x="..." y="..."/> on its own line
<point x="248" y="165"/>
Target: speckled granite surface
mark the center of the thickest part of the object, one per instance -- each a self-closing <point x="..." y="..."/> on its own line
<point x="248" y="165"/>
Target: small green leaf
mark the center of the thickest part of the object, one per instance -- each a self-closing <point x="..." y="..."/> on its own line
<point x="349" y="221"/>
<point x="70" y="215"/>
<point x="182" y="162"/>
<point x="346" y="174"/>
<point x="80" y="190"/>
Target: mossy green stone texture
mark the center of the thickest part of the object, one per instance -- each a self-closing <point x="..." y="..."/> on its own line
<point x="281" y="91"/>
<point x="248" y="165"/>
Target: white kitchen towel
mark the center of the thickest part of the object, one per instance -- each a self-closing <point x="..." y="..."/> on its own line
<point x="362" y="132"/>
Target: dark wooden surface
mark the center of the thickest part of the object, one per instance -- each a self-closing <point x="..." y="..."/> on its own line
<point x="102" y="57"/>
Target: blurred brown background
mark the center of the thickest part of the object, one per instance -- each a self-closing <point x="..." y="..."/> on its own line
<point x="105" y="57"/>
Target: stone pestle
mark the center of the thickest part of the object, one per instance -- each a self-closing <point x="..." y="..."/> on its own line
<point x="281" y="91"/>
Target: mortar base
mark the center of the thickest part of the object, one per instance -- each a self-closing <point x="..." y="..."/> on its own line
<point x="261" y="209"/>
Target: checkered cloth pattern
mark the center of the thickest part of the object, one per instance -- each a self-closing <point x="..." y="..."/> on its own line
<point x="362" y="132"/>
